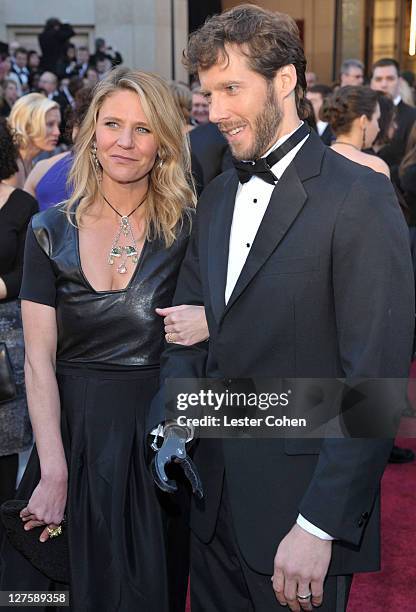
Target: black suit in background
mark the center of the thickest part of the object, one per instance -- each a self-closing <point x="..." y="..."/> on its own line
<point x="319" y="296"/>
<point x="327" y="136"/>
<point x="211" y="150"/>
<point x="53" y="42"/>
<point x="393" y="152"/>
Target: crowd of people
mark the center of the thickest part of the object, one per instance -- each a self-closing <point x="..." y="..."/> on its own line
<point x="123" y="284"/>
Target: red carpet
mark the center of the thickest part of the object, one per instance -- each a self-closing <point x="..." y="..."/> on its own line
<point x="394" y="587"/>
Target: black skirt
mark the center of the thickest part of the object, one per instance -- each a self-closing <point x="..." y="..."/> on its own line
<point x="114" y="520"/>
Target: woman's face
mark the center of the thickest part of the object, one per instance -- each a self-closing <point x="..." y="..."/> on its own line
<point x="50" y="140"/>
<point x="126" y="146"/>
<point x="372" y="128"/>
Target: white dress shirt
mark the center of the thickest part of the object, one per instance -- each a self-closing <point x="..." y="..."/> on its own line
<point x="397" y="100"/>
<point x="251" y="202"/>
<point x="321" y="127"/>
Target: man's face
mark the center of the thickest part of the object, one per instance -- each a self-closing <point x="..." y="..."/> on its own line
<point x="10" y="93"/>
<point x="47" y="82"/>
<point x="21" y="60"/>
<point x="243" y="104"/>
<point x="316" y="100"/>
<point x="386" y="79"/>
<point x="310" y="79"/>
<point x="200" y="108"/>
<point x="354" y="76"/>
<point x="83" y="56"/>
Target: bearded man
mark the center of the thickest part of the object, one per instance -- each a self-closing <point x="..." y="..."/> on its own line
<point x="302" y="262"/>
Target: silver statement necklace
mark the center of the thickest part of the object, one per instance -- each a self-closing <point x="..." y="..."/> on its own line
<point x="124" y="251"/>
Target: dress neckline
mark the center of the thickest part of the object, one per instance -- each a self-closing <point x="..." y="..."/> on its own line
<point x="107" y="291"/>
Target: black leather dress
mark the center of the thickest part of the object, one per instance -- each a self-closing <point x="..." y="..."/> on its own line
<point x="109" y="343"/>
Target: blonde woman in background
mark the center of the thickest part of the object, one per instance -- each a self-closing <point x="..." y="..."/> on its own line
<point x="35" y="122"/>
<point x="96" y="268"/>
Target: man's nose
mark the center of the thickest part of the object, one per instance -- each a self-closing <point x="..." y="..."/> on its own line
<point x="217" y="112"/>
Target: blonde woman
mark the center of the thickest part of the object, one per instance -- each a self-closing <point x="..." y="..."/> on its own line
<point x="95" y="270"/>
<point x="35" y="122"/>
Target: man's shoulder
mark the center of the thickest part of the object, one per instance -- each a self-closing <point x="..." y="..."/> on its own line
<point x="404" y="110"/>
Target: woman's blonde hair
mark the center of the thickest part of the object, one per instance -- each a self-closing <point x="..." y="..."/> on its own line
<point x="183" y="98"/>
<point x="28" y="118"/>
<point x="171" y="190"/>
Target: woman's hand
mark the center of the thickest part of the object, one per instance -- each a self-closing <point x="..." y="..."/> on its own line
<point x="46" y="505"/>
<point x="185" y="324"/>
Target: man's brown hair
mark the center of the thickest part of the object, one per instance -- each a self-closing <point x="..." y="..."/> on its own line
<point x="269" y="40"/>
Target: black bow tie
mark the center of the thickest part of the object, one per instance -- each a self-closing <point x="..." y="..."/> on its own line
<point x="261" y="167"/>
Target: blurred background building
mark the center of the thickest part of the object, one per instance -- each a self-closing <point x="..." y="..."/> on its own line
<point x="151" y="34"/>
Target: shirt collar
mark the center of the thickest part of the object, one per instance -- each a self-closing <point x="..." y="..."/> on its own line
<point x="282" y="140"/>
<point x="397" y="100"/>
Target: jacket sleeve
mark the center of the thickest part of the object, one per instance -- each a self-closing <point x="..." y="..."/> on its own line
<point x="182" y="361"/>
<point x="374" y="304"/>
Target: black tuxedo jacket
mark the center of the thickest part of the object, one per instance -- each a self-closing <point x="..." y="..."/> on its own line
<point x="326" y="291"/>
<point x="393" y="152"/>
<point x="211" y="150"/>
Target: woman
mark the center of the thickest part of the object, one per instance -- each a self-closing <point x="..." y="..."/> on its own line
<point x="48" y="181"/>
<point x="35" y="121"/>
<point x="16" y="209"/>
<point x="353" y="113"/>
<point x="95" y="271"/>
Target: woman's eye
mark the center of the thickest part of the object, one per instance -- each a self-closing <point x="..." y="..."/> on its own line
<point x="143" y="130"/>
<point x="111" y="123"/>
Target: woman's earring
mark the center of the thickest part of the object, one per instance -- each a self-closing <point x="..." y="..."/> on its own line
<point x="97" y="165"/>
<point x="160" y="162"/>
<point x="363" y="144"/>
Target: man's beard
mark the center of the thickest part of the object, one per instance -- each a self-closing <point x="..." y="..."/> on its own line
<point x="265" y="128"/>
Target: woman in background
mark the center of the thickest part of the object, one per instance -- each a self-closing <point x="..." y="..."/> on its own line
<point x="16" y="210"/>
<point x="35" y="122"/>
<point x="48" y="181"/>
<point x="353" y="113"/>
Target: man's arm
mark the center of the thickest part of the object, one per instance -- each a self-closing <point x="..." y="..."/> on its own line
<point x="374" y="301"/>
<point x="180" y="361"/>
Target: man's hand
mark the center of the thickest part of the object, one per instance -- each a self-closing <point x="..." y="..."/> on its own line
<point x="300" y="566"/>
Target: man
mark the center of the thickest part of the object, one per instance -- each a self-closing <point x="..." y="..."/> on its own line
<point x="352" y="72"/>
<point x="294" y="285"/>
<point x="386" y="78"/>
<point x="19" y="71"/>
<point x="211" y="150"/>
<point x="83" y="61"/>
<point x="311" y="79"/>
<point x="316" y="95"/>
<point x="200" y="108"/>
<point x="10" y="95"/>
<point x="53" y="41"/>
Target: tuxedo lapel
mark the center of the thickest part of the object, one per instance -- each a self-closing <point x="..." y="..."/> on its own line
<point x="218" y="243"/>
<point x="286" y="202"/>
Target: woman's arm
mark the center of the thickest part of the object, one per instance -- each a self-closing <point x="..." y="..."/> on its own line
<point x="47" y="503"/>
<point x="185" y="324"/>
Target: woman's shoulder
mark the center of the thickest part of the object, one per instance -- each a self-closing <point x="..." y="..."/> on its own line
<point x="26" y="205"/>
<point x="53" y="218"/>
<point x="376" y="163"/>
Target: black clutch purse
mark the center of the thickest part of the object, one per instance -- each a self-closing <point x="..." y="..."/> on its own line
<point x="50" y="557"/>
<point x="7" y="381"/>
